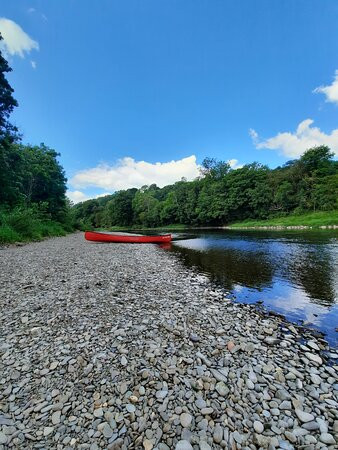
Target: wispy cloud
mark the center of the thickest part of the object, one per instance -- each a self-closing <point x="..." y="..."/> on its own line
<point x="294" y="144"/>
<point x="33" y="64"/>
<point x="15" y="40"/>
<point x="330" y="91"/>
<point x="128" y="173"/>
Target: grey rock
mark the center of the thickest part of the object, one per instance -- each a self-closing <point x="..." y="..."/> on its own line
<point x="327" y="438"/>
<point x="185" y="420"/>
<point x="304" y="416"/>
<point x="183" y="445"/>
<point x="258" y="427"/>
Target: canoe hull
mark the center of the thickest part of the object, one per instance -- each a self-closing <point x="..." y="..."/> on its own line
<point x="105" y="237"/>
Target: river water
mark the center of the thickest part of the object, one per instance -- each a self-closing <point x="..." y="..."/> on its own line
<point x="294" y="273"/>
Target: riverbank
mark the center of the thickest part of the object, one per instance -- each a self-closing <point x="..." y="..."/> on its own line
<point x="121" y="346"/>
<point x="315" y="220"/>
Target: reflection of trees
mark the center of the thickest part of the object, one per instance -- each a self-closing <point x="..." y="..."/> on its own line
<point x="314" y="269"/>
<point x="231" y="266"/>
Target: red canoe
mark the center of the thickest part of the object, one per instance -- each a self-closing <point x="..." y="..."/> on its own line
<point x="105" y="237"/>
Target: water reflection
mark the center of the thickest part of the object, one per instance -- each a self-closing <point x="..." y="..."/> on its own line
<point x="292" y="273"/>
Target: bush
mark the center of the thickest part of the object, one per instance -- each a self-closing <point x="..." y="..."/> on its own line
<point x="28" y="225"/>
<point x="8" y="235"/>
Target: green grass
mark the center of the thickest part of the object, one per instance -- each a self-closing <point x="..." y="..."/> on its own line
<point x="24" y="225"/>
<point x="314" y="220"/>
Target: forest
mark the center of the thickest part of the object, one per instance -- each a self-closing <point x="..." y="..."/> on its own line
<point x="33" y="201"/>
<point x="222" y="195"/>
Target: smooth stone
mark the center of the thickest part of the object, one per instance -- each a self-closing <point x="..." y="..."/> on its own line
<point x="327" y="438"/>
<point x="285" y="445"/>
<point x="147" y="444"/>
<point x="3" y="438"/>
<point x="285" y="405"/>
<point x="98" y="412"/>
<point x="238" y="437"/>
<point x="314" y="358"/>
<point x="258" y="427"/>
<point x="218" y="434"/>
<point x="222" y="389"/>
<point x="315" y="379"/>
<point x="206" y="411"/>
<point x="200" y="403"/>
<point x="56" y="417"/>
<point x="161" y="394"/>
<point x="130" y="408"/>
<point x="322" y="425"/>
<point x="183" y="445"/>
<point x="107" y="431"/>
<point x="303" y="416"/>
<point x="290" y="436"/>
<point x="53" y="365"/>
<point x="47" y="431"/>
<point x="185" y="420"/>
<point x="311" y="426"/>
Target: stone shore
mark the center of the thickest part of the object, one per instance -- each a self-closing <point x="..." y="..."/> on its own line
<point x="119" y="346"/>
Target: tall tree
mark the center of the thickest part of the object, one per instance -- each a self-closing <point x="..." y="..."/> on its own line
<point x="7" y="101"/>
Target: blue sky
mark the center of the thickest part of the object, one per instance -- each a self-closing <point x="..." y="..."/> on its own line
<point x="117" y="86"/>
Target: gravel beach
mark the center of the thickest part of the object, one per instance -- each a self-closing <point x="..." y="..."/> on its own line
<point x="121" y="346"/>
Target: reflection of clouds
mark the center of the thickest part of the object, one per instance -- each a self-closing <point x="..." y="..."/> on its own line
<point x="298" y="302"/>
<point x="194" y="244"/>
<point x="238" y="288"/>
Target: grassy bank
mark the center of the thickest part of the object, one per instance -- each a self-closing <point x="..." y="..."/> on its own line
<point x="23" y="225"/>
<point x="314" y="220"/>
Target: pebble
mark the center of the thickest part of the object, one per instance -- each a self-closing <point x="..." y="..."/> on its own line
<point x="314" y="358"/>
<point x="327" y="438"/>
<point x="183" y="445"/>
<point x="56" y="417"/>
<point x="157" y="358"/>
<point x="303" y="416"/>
<point x="185" y="420"/>
<point x="47" y="431"/>
<point x="258" y="427"/>
<point x="3" y="438"/>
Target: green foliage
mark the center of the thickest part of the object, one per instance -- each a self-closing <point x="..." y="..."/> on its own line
<point x="23" y="224"/>
<point x="32" y="182"/>
<point x="314" y="219"/>
<point x="223" y="195"/>
<point x="8" y="132"/>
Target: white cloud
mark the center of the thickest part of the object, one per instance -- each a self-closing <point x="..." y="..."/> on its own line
<point x="15" y="40"/>
<point x="234" y="164"/>
<point x="331" y="91"/>
<point x="77" y="196"/>
<point x="128" y="173"/>
<point x="294" y="144"/>
<point x="31" y="10"/>
<point x="33" y="63"/>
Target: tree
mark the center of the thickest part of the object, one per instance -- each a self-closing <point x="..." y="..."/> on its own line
<point x="7" y="102"/>
<point x="214" y="169"/>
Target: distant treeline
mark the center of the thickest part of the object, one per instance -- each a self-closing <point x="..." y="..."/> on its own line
<point x="222" y="195"/>
<point x="33" y="200"/>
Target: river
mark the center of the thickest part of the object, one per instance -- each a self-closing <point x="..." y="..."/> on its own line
<point x="294" y="273"/>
